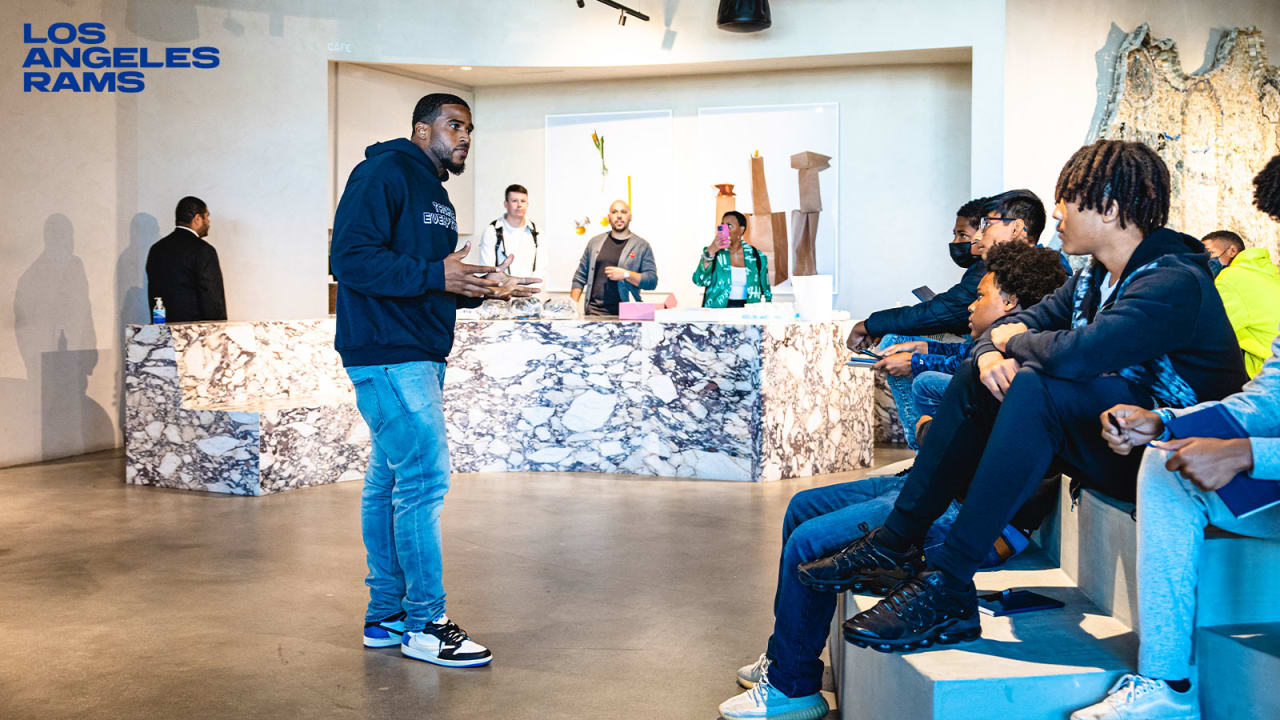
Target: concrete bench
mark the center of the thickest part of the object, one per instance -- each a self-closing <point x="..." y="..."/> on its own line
<point x="1044" y="665"/>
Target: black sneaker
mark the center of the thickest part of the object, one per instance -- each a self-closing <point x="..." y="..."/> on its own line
<point x="863" y="566"/>
<point x="921" y="612"/>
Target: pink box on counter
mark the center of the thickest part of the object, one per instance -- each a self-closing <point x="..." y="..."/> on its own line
<point x="643" y="310"/>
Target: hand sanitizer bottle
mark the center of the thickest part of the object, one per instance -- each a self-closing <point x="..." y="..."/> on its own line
<point x="157" y="312"/>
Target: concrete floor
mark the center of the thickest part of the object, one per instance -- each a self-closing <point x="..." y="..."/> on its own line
<point x="601" y="597"/>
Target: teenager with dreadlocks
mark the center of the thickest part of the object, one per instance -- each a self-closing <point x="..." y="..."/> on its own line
<point x="1176" y="486"/>
<point x="785" y="681"/>
<point x="1141" y="325"/>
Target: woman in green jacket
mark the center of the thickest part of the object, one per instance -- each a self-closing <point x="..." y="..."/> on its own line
<point x="733" y="272"/>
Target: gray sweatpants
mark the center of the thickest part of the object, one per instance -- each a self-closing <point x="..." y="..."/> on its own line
<point x="1172" y="515"/>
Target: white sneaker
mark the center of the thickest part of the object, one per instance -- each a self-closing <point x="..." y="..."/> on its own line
<point x="749" y="675"/>
<point x="766" y="701"/>
<point x="444" y="643"/>
<point x="1135" y="697"/>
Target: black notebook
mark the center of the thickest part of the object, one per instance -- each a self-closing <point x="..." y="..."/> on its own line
<point x="1244" y="495"/>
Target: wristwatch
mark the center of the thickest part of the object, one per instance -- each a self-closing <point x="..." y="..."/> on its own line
<point x="1165" y="414"/>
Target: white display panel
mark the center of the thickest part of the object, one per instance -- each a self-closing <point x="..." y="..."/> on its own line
<point x="637" y="145"/>
<point x="727" y="137"/>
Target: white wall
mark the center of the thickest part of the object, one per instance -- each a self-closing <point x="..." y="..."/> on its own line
<point x="904" y="163"/>
<point x="1058" y="54"/>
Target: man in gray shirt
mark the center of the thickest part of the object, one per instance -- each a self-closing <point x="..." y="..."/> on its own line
<point x="615" y="266"/>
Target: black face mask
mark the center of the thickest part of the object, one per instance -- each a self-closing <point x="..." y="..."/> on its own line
<point x="960" y="254"/>
<point x="1215" y="266"/>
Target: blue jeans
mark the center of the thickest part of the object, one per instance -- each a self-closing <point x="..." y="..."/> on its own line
<point x="908" y="413"/>
<point x="819" y="522"/>
<point x="926" y="392"/>
<point x="404" y="488"/>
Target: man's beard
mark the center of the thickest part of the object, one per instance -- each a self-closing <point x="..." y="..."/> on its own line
<point x="445" y="156"/>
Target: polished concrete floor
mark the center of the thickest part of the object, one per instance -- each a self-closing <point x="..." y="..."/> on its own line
<point x="601" y="597"/>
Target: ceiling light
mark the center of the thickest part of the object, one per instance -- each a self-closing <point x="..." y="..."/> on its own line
<point x="744" y="16"/>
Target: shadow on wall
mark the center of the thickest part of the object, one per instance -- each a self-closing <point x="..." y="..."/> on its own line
<point x="131" y="296"/>
<point x="54" y="327"/>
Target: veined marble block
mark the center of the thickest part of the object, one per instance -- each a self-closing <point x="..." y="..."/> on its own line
<point x="705" y="400"/>
<point x="259" y="407"/>
<point x="222" y="408"/>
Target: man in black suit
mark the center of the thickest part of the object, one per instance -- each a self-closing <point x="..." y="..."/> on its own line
<point x="183" y="269"/>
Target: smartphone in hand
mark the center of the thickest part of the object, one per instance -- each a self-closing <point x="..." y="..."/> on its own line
<point x="722" y="233"/>
<point x="1115" y="424"/>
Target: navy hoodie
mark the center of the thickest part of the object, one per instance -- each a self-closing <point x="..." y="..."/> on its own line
<point x="946" y="312"/>
<point x="393" y="228"/>
<point x="1170" y="310"/>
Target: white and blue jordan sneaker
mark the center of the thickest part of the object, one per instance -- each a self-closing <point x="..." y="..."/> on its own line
<point x="444" y="643"/>
<point x="385" y="632"/>
<point x="766" y="701"/>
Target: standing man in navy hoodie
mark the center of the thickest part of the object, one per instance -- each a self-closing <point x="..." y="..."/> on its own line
<point x="400" y="281"/>
<point x="1141" y="325"/>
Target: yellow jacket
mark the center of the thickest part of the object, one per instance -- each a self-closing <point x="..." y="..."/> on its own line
<point x="1250" y="290"/>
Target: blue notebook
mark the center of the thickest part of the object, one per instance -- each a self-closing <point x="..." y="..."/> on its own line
<point x="1244" y="495"/>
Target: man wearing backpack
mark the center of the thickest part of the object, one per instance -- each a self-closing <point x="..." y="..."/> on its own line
<point x="511" y="234"/>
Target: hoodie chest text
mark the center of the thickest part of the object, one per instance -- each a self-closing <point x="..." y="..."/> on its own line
<point x="443" y="216"/>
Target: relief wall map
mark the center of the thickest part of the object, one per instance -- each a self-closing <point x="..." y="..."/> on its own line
<point x="1215" y="129"/>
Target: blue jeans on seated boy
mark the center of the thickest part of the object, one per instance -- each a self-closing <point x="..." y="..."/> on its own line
<point x="908" y="414"/>
<point x="404" y="488"/>
<point x="926" y="392"/>
<point x="819" y="522"/>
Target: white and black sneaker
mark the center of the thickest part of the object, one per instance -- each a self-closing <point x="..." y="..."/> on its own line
<point x="444" y="643"/>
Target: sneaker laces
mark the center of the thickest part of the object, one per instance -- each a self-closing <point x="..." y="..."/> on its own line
<point x="909" y="601"/>
<point x="844" y="557"/>
<point x="449" y="632"/>
<point x="1133" y="686"/>
<point x="761" y="664"/>
<point x="759" y="693"/>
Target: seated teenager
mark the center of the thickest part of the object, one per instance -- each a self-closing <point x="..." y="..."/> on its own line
<point x="820" y="520"/>
<point x="1250" y="289"/>
<point x="1142" y="325"/>
<point x="1176" y="501"/>
<point x="1013" y="216"/>
<point x="945" y="313"/>
<point x="1020" y="275"/>
<point x="733" y="271"/>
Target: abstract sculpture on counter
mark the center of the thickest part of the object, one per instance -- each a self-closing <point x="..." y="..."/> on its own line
<point x="804" y="222"/>
<point x="767" y="230"/>
<point x="725" y="200"/>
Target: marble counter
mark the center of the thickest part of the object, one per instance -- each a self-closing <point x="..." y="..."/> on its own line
<point x="705" y="400"/>
<point x="259" y="407"/>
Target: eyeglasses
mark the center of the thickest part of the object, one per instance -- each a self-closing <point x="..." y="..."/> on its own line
<point x="987" y="222"/>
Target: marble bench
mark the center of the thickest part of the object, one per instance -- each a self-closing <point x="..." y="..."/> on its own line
<point x="259" y="407"/>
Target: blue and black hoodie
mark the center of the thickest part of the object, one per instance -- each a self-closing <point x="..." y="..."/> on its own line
<point x="393" y="228"/>
<point x="1163" y="328"/>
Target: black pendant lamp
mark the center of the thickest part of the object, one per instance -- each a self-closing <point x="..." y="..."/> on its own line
<point x="744" y="16"/>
